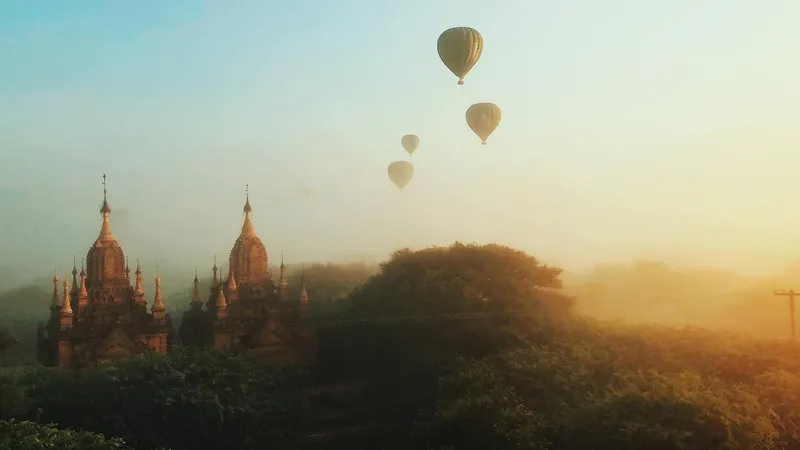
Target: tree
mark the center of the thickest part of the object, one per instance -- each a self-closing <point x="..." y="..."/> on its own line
<point x="23" y="435"/>
<point x="6" y="340"/>
<point x="188" y="400"/>
<point x="571" y="398"/>
<point x="461" y="279"/>
<point x="409" y="322"/>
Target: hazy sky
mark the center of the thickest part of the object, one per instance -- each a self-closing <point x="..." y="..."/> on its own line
<point x="660" y="128"/>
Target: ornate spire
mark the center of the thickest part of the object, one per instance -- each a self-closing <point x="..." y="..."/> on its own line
<point x="127" y="269"/>
<point x="247" y="227"/>
<point x="231" y="281"/>
<point x="233" y="294"/>
<point x="74" y="291"/>
<point x="56" y="302"/>
<point x="196" y="288"/>
<point x="83" y="295"/>
<point x="66" y="307"/>
<point x="303" y="293"/>
<point x="139" y="289"/>
<point x="158" y="301"/>
<point x="283" y="283"/>
<point x="247" y="208"/>
<point x="214" y="279"/>
<point x="222" y="304"/>
<point x="105" y="210"/>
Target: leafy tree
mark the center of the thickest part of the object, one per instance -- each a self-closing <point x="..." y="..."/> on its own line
<point x="16" y="435"/>
<point x="425" y="308"/>
<point x="461" y="279"/>
<point x="6" y="340"/>
<point x="645" y="409"/>
<point x="569" y="399"/>
<point x="188" y="400"/>
<point x="431" y="305"/>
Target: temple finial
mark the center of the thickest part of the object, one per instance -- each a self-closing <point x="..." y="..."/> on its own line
<point x="247" y="208"/>
<point x="106" y="208"/>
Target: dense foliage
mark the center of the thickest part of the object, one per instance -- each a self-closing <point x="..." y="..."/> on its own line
<point x="189" y="400"/>
<point x="461" y="347"/>
<point x="7" y="340"/>
<point x="599" y="387"/>
<point x="16" y="435"/>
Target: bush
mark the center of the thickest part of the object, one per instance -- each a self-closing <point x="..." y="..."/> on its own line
<point x="16" y="435"/>
<point x="188" y="400"/>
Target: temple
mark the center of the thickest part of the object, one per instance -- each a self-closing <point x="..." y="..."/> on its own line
<point x="246" y="309"/>
<point x="103" y="317"/>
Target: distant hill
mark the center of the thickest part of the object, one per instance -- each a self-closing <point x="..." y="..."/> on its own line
<point x="12" y="277"/>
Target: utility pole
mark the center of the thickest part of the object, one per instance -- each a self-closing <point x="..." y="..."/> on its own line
<point x="790" y="293"/>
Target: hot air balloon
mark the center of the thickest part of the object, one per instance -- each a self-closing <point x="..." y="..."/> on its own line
<point x="459" y="49"/>
<point x="483" y="118"/>
<point x="400" y="172"/>
<point x="410" y="143"/>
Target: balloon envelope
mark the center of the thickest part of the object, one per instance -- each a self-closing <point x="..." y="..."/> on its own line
<point x="410" y="143"/>
<point x="483" y="119"/>
<point x="460" y="49"/>
<point x="400" y="172"/>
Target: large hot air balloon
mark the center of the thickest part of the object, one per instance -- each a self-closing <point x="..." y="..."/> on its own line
<point x="400" y="172"/>
<point x="459" y="49"/>
<point x="483" y="118"/>
<point x="410" y="143"/>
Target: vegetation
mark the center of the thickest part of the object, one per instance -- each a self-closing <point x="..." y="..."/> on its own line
<point x="16" y="435"/>
<point x="7" y="340"/>
<point x="461" y="347"/>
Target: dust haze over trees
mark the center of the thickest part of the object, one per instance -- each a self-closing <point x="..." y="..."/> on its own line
<point x="652" y="291"/>
<point x="466" y="346"/>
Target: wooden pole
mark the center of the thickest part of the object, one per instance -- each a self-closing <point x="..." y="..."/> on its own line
<point x="790" y="293"/>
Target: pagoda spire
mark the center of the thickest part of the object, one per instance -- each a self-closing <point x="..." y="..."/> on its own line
<point x="105" y="210"/>
<point x="221" y="304"/>
<point x="138" y="290"/>
<point x="214" y="279"/>
<point x="158" y="302"/>
<point x="248" y="230"/>
<point x="196" y="288"/>
<point x="282" y="281"/>
<point x="55" y="303"/>
<point x="232" y="288"/>
<point x="74" y="291"/>
<point x="303" y="294"/>
<point x="83" y="295"/>
<point x="66" y="307"/>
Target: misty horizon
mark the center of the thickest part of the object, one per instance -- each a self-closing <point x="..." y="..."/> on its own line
<point x="676" y="145"/>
